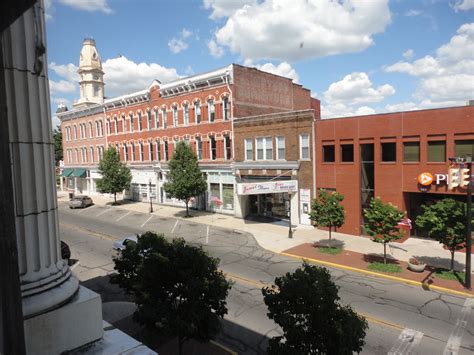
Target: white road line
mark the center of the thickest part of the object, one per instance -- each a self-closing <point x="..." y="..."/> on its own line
<point x="101" y="213"/>
<point x="454" y="341"/>
<point x="407" y="340"/>
<point x="177" y="221"/>
<point x="207" y="235"/>
<point x="146" y="221"/>
<point x="125" y="215"/>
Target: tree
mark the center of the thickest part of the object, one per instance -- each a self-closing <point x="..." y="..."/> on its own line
<point x="381" y="223"/>
<point x="116" y="176"/>
<point x="327" y="210"/>
<point x="58" y="144"/>
<point x="178" y="288"/>
<point x="185" y="179"/>
<point x="445" y="221"/>
<point x="305" y="304"/>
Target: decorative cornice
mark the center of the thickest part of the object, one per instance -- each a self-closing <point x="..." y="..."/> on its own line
<point x="269" y="165"/>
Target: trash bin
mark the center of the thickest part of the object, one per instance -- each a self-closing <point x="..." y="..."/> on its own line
<point x="71" y="195"/>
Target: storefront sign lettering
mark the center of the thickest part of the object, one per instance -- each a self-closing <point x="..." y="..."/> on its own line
<point x="267" y="187"/>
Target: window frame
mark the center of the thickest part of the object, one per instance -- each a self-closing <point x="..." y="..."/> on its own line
<point x="435" y="142"/>
<point x="211" y="110"/>
<point x="278" y="139"/>
<point x="197" y="112"/>
<point x="301" y="135"/>
<point x="246" y="149"/>
<point x="411" y="143"/>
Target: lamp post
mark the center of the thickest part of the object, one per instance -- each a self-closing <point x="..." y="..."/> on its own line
<point x="151" y="204"/>
<point x="467" y="280"/>
<point x="290" y="231"/>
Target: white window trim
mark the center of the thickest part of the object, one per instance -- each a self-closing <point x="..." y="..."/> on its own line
<point x="264" y="147"/>
<point x="197" y="104"/>
<point x="211" y="108"/>
<point x="301" y="147"/>
<point x="277" y="148"/>
<point x="163" y="115"/>
<point x="186" y="115"/>
<point x="175" y="116"/>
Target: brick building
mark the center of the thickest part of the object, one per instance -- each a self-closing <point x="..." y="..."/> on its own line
<point x="145" y="126"/>
<point x="383" y="155"/>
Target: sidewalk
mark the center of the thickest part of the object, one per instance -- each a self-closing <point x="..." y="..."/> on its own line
<point x="274" y="237"/>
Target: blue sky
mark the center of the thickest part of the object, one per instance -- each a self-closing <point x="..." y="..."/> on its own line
<point x="356" y="56"/>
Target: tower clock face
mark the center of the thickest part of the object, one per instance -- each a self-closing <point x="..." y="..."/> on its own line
<point x="95" y="77"/>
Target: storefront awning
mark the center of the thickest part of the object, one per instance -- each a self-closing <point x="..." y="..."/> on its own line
<point x="79" y="172"/>
<point x="66" y="172"/>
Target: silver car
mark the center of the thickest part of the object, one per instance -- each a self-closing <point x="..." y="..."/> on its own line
<point x="122" y="244"/>
<point x="80" y="201"/>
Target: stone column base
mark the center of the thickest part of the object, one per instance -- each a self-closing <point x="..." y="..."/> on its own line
<point x="77" y="323"/>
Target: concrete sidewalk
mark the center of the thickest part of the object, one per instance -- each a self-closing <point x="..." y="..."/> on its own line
<point x="274" y="236"/>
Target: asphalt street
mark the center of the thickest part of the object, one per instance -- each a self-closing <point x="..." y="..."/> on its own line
<point x="402" y="318"/>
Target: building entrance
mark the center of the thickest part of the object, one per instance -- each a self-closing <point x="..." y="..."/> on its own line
<point x="269" y="205"/>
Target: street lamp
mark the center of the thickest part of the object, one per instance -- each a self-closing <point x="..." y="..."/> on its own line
<point x="290" y="231"/>
<point x="151" y="204"/>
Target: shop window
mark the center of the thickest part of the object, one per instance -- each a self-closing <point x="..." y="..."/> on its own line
<point x="213" y="148"/>
<point x="304" y="146"/>
<point x="175" y="116"/>
<point x="211" y="114"/>
<point x="197" y="112"/>
<point x="225" y="108"/>
<point x="199" y="148"/>
<point x="437" y="151"/>
<point x="464" y="148"/>
<point x="280" y="147"/>
<point x="227" y="147"/>
<point x="163" y="117"/>
<point x="389" y="152"/>
<point x="329" y="154"/>
<point x="148" y="116"/>
<point x="411" y="151"/>
<point x="186" y="114"/>
<point x="165" y="150"/>
<point x="215" y="194"/>
<point x="347" y="153"/>
<point x="248" y="149"/>
<point x="228" y="196"/>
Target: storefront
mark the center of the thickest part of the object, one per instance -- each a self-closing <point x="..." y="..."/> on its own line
<point x="274" y="199"/>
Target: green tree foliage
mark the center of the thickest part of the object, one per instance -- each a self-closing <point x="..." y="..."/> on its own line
<point x="327" y="210"/>
<point x="58" y="144"/>
<point x="381" y="223"/>
<point x="178" y="288"/>
<point x="116" y="176"/>
<point x="445" y="221"/>
<point x="185" y="179"/>
<point x="305" y="304"/>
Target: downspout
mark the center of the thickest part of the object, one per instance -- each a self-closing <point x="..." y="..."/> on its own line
<point x="314" y="156"/>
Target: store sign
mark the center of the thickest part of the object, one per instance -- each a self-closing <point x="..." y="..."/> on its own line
<point x="269" y="187"/>
<point x="456" y="177"/>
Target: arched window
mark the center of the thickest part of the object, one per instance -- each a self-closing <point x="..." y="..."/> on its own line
<point x="163" y="116"/>
<point x="157" y="119"/>
<point x="197" y="112"/>
<point x="148" y="116"/>
<point x="186" y="114"/>
<point x="175" y="116"/>
<point x="225" y="108"/>
<point x="116" y="124"/>
<point x="211" y="114"/>
<point x="92" y="154"/>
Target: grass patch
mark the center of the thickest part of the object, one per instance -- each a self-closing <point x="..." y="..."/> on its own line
<point x="376" y="266"/>
<point x="330" y="250"/>
<point x="449" y="275"/>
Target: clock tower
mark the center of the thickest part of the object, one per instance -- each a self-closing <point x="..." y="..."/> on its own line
<point x="91" y="76"/>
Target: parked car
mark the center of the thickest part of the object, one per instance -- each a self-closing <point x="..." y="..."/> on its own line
<point x="122" y="244"/>
<point x="80" y="201"/>
<point x="65" y="251"/>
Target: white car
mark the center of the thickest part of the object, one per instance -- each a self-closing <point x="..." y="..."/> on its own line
<point x="122" y="244"/>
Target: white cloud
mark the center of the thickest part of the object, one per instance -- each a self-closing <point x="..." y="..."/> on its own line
<point x="356" y="88"/>
<point x="225" y="8"/>
<point x="413" y="13"/>
<point x="448" y="76"/>
<point x="189" y="70"/>
<point x="66" y="71"/>
<point x="48" y="9"/>
<point x="463" y="5"/>
<point x="342" y="110"/>
<point x="61" y="86"/>
<point x="408" y="54"/>
<point x="403" y="106"/>
<point x="282" y="69"/>
<point x="215" y="50"/>
<point x="124" y="76"/>
<point x="179" y="44"/>
<point x="272" y="29"/>
<point x="88" y="5"/>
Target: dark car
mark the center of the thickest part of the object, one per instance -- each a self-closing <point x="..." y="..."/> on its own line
<point x="65" y="251"/>
<point x="80" y="201"/>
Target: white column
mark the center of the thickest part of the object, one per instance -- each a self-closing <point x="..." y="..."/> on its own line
<point x="46" y="280"/>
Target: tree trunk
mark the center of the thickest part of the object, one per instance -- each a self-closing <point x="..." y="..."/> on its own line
<point x="452" y="259"/>
<point x="180" y="345"/>
<point x="330" y="233"/>
<point x="115" y="198"/>
<point x="187" y="210"/>
<point x="385" y="253"/>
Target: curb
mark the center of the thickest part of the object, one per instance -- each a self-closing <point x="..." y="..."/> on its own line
<point x="388" y="277"/>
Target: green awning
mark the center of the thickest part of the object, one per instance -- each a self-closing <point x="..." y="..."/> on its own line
<point x="79" y="172"/>
<point x="66" y="172"/>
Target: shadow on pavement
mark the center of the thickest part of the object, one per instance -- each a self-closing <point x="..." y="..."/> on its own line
<point x="440" y="262"/>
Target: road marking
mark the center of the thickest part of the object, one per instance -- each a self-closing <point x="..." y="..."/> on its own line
<point x="407" y="340"/>
<point x="89" y="231"/>
<point x="223" y="347"/>
<point x="207" y="235"/>
<point x="454" y="341"/>
<point x="177" y="221"/>
<point x="125" y="215"/>
<point x="146" y="221"/>
<point x="101" y="213"/>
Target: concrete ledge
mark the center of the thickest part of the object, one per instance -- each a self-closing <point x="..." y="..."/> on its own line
<point x="75" y="324"/>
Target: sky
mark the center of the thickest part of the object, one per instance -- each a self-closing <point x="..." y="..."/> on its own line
<point x="356" y="56"/>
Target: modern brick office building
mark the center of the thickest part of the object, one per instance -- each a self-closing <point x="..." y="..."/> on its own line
<point x="384" y="155"/>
